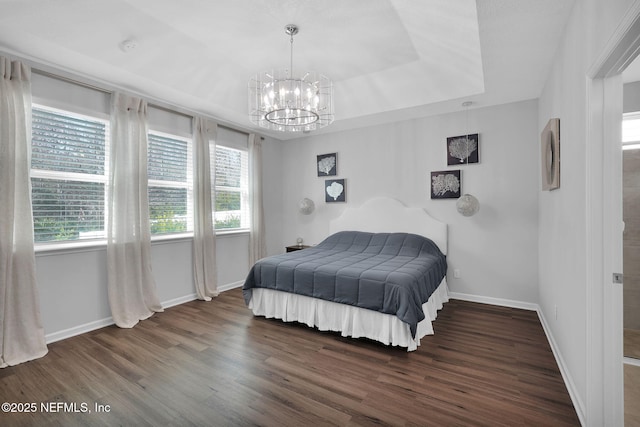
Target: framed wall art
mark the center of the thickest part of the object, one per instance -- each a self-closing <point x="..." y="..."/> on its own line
<point x="550" y="155"/>
<point x="327" y="164"/>
<point x="335" y="190"/>
<point x="463" y="149"/>
<point x="446" y="184"/>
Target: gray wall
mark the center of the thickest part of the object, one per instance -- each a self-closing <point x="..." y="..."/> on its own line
<point x="496" y="250"/>
<point x="72" y="283"/>
<point x="563" y="218"/>
<point x="631" y="97"/>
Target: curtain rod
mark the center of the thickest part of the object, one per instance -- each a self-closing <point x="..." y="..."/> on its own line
<point x="107" y="91"/>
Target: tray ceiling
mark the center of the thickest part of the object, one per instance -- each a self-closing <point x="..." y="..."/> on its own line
<point x="389" y="59"/>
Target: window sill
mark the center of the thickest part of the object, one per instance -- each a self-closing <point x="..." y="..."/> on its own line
<point x="159" y="238"/>
<point x="169" y="238"/>
<point x="230" y="233"/>
<point x="56" y="248"/>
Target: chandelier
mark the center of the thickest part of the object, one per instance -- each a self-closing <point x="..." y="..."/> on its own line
<point x="286" y="101"/>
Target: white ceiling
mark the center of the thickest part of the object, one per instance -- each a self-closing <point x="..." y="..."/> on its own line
<point x="389" y="59"/>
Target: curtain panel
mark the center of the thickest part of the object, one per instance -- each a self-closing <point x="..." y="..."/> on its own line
<point x="204" y="244"/>
<point x="131" y="286"/>
<point x="257" y="242"/>
<point x="21" y="332"/>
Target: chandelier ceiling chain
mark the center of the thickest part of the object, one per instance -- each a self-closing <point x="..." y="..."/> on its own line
<point x="466" y="106"/>
<point x="291" y="30"/>
<point x="467" y="204"/>
<point x="284" y="101"/>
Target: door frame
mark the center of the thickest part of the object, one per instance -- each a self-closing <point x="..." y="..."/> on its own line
<point x="605" y="375"/>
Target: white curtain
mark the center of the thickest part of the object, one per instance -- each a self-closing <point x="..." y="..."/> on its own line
<point x="132" y="289"/>
<point x="21" y="331"/>
<point x="257" y="245"/>
<point x="204" y="244"/>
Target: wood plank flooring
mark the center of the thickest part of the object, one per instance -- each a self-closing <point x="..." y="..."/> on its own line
<point x="214" y="364"/>
<point x="632" y="343"/>
<point x="631" y="395"/>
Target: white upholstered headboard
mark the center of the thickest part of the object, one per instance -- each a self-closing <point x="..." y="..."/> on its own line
<point x="387" y="215"/>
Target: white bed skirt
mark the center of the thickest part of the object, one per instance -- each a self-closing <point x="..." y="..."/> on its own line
<point x="349" y="320"/>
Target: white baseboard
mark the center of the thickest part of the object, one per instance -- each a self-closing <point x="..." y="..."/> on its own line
<point x="230" y="286"/>
<point x="78" y="330"/>
<point x="564" y="371"/>
<point x="178" y="301"/>
<point x="108" y="321"/>
<point x="494" y="301"/>
<point x="562" y="366"/>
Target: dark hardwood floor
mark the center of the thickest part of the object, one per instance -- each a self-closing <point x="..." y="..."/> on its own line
<point x="214" y="364"/>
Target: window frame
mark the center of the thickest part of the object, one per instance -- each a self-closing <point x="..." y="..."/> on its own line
<point x="188" y="184"/>
<point x="245" y="214"/>
<point x="35" y="173"/>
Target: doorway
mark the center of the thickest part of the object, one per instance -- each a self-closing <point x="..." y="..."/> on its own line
<point x="631" y="218"/>
<point x="631" y="240"/>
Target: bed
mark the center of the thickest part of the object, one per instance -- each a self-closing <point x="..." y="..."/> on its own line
<point x="380" y="274"/>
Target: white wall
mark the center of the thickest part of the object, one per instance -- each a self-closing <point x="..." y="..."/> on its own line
<point x="562" y="218"/>
<point x="562" y="213"/>
<point x="495" y="250"/>
<point x="631" y="97"/>
<point x="73" y="283"/>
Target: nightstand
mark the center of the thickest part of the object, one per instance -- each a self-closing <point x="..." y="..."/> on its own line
<point x="293" y="248"/>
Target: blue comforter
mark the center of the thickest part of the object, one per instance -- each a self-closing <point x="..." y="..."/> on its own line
<point x="393" y="273"/>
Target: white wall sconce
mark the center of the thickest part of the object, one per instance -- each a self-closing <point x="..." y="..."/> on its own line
<point x="468" y="205"/>
<point x="306" y="206"/>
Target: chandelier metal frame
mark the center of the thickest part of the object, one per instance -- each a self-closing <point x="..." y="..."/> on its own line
<point x="282" y="100"/>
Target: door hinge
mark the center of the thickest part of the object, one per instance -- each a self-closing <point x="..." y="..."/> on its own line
<point x="617" y="277"/>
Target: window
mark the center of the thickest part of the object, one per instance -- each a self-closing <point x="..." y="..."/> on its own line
<point x="170" y="192"/>
<point x="68" y="175"/>
<point x="231" y="188"/>
<point x="631" y="131"/>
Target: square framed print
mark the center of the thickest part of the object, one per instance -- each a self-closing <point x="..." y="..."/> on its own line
<point x="335" y="190"/>
<point x="327" y="164"/>
<point x="550" y="152"/>
<point x="463" y="149"/>
<point x="446" y="184"/>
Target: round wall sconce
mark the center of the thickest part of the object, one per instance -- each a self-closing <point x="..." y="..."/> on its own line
<point x="306" y="206"/>
<point x="467" y="205"/>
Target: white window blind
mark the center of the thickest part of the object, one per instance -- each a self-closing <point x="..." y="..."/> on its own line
<point x="170" y="192"/>
<point x="231" y="188"/>
<point x="68" y="175"/>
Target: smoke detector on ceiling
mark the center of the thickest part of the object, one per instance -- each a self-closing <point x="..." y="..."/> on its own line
<point x="128" y="45"/>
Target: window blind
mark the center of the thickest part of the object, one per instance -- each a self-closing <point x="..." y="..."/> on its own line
<point x="69" y="158"/>
<point x="169" y="171"/>
<point x="231" y="188"/>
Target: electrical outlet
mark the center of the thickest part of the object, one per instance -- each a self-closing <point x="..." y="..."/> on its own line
<point x="456" y="273"/>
